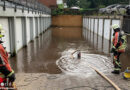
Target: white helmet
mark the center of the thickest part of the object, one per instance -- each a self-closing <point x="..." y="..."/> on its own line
<point x="115" y="26"/>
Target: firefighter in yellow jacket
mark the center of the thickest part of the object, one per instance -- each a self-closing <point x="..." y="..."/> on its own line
<point x="119" y="45"/>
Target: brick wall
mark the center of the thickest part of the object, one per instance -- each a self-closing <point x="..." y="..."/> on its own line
<point x="67" y="20"/>
<point x="49" y="3"/>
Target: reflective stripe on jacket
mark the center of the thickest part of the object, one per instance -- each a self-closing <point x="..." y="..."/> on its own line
<point x="4" y="60"/>
<point x="115" y="39"/>
<point x="123" y="45"/>
<point x="117" y="43"/>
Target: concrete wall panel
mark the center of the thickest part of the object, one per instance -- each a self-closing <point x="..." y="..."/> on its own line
<point x="89" y="24"/>
<point x="34" y="28"/>
<point x="86" y="25"/>
<point x="92" y="20"/>
<point x="28" y="30"/>
<point x="84" y="22"/>
<point x="18" y="33"/>
<point x="31" y="28"/>
<point x="96" y="21"/>
<point x="107" y="29"/>
<point x="17" y="27"/>
<point x="100" y="27"/>
<point x="38" y="26"/>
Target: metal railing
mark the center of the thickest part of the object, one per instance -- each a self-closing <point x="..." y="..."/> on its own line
<point x="30" y="5"/>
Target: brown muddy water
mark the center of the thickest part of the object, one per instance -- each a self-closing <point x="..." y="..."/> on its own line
<point x="40" y="56"/>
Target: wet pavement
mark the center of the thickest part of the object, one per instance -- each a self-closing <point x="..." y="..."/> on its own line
<point x="38" y="57"/>
<point x="42" y="53"/>
<point x="43" y="81"/>
<point x="47" y="63"/>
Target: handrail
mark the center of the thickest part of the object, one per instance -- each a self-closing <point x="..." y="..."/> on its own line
<point x="32" y="4"/>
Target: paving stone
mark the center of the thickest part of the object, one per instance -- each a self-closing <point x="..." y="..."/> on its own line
<point x="42" y="81"/>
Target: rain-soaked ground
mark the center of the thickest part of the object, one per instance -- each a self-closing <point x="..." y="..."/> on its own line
<point x="47" y="63"/>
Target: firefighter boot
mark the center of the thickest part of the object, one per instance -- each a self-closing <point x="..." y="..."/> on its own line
<point x="116" y="72"/>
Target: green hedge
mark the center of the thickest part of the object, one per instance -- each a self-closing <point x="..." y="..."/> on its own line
<point x="74" y="12"/>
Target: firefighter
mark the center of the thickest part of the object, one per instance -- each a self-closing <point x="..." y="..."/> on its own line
<point x="6" y="72"/>
<point x="119" y="45"/>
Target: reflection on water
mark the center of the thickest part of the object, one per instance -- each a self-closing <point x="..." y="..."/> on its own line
<point x="41" y="54"/>
<point x="68" y="33"/>
<point x="97" y="42"/>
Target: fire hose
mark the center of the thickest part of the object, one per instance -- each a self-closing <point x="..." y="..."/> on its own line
<point x="101" y="74"/>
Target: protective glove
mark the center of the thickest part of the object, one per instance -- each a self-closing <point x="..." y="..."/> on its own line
<point x="1" y="41"/>
<point x="113" y="50"/>
<point x="4" y="70"/>
<point x="118" y="44"/>
<point x="12" y="77"/>
<point x="7" y="73"/>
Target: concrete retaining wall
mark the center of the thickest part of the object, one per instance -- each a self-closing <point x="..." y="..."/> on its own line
<point x="22" y="27"/>
<point x="67" y="20"/>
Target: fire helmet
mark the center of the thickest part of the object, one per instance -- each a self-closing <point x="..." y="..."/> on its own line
<point x="115" y="26"/>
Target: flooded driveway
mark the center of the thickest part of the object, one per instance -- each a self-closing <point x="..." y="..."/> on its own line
<point x="40" y="56"/>
<point x="48" y="64"/>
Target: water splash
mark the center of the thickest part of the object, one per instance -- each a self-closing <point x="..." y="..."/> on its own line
<point x="71" y="65"/>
